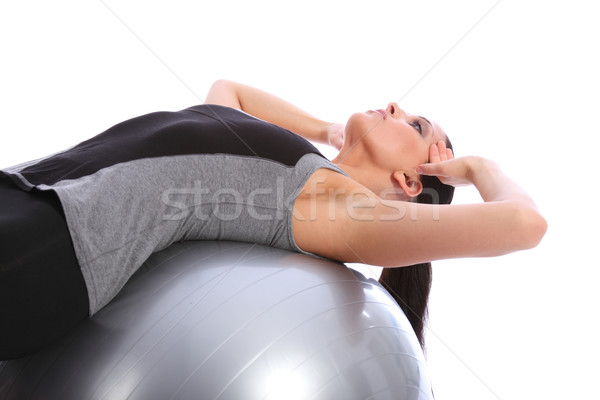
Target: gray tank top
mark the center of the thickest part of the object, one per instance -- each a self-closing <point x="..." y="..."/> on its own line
<point x="204" y="173"/>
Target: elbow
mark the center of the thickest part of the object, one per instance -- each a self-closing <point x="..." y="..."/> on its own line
<point x="220" y="85"/>
<point x="221" y="82"/>
<point x="224" y="93"/>
<point x="533" y="227"/>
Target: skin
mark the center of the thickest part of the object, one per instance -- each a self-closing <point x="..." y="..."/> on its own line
<point x="382" y="152"/>
<point x="363" y="217"/>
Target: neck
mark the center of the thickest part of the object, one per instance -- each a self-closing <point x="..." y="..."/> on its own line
<point x="357" y="163"/>
<point x="379" y="182"/>
<point x="358" y="174"/>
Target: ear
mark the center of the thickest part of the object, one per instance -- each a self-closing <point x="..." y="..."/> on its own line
<point x="411" y="184"/>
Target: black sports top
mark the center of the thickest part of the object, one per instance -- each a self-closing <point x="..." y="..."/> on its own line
<point x="206" y="172"/>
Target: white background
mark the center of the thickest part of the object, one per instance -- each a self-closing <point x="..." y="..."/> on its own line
<point x="519" y="86"/>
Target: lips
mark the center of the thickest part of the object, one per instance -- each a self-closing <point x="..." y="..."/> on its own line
<point x="382" y="112"/>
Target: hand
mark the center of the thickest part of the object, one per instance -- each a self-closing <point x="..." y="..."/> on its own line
<point x="334" y="135"/>
<point x="449" y="170"/>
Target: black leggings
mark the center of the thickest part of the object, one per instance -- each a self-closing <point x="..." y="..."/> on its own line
<point x="42" y="291"/>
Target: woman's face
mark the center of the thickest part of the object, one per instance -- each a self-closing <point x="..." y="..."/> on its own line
<point x="394" y="139"/>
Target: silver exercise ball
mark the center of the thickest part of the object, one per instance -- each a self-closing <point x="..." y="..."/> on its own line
<point x="227" y="320"/>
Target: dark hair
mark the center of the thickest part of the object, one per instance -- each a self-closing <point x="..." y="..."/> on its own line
<point x="410" y="285"/>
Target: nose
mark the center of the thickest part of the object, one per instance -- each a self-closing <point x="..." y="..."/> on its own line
<point x="395" y="111"/>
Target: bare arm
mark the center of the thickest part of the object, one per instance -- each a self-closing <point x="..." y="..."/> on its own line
<point x="272" y="109"/>
<point x="388" y="233"/>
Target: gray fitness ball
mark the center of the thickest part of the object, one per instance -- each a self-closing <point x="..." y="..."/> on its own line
<point x="226" y="320"/>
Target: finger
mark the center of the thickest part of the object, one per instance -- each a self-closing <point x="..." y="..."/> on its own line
<point x="442" y="150"/>
<point x="449" y="154"/>
<point x="428" y="169"/>
<point x="434" y="154"/>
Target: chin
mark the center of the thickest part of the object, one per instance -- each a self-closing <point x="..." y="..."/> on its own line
<point x="361" y="121"/>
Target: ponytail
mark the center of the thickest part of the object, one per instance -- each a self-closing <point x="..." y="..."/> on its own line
<point x="410" y="286"/>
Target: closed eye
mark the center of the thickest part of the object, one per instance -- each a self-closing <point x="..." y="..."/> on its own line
<point x="423" y="126"/>
<point x="418" y="127"/>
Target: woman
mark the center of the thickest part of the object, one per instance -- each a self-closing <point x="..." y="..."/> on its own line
<point x="76" y="225"/>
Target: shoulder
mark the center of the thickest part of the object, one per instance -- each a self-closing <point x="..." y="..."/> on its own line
<point x="322" y="223"/>
<point x="336" y="217"/>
